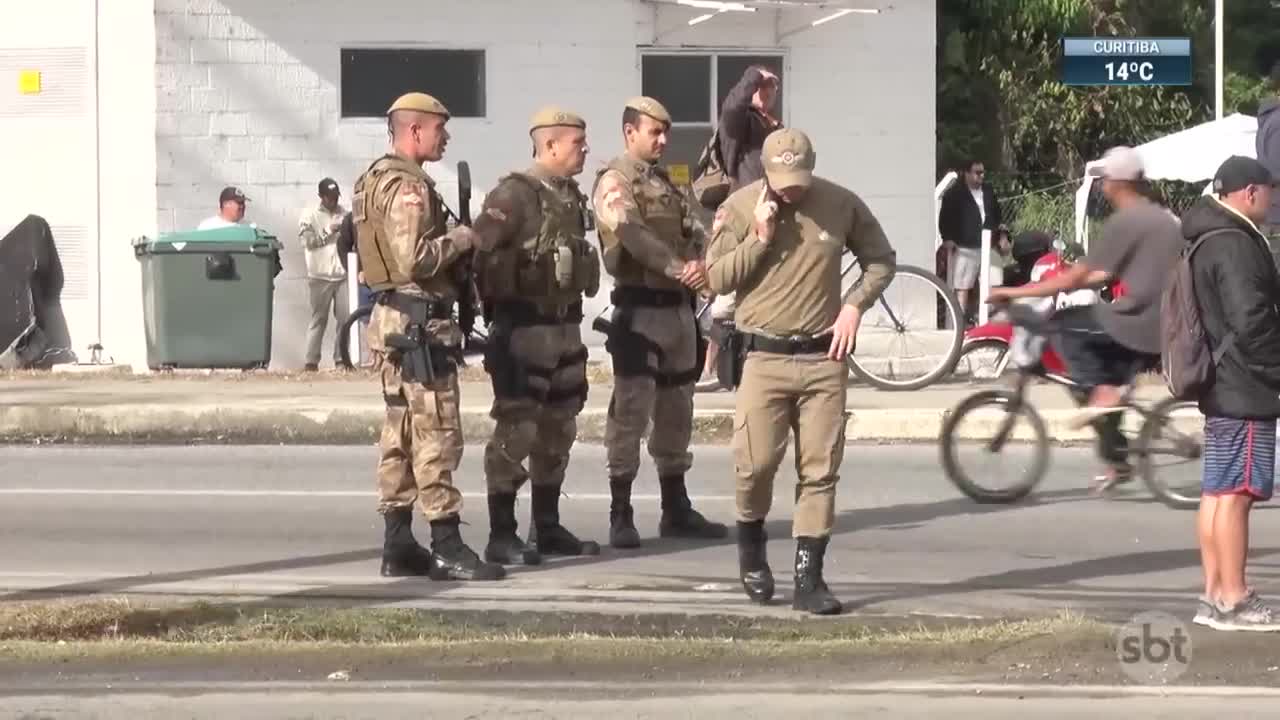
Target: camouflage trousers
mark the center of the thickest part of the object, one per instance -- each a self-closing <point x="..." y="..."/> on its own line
<point x="646" y="393"/>
<point x="539" y="378"/>
<point x="780" y="394"/>
<point x="421" y="443"/>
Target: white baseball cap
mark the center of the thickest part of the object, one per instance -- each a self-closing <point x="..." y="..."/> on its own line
<point x="1119" y="163"/>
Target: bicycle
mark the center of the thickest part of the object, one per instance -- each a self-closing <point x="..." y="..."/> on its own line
<point x="938" y="349"/>
<point x="1007" y="406"/>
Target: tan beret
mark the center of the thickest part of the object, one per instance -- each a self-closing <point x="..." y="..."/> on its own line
<point x="650" y="107"/>
<point x="421" y="102"/>
<point x="552" y="116"/>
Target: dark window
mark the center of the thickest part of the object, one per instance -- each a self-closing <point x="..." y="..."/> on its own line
<point x="729" y="69"/>
<point x="682" y="83"/>
<point x="373" y="78"/>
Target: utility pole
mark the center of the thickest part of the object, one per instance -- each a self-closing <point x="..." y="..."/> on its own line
<point x="1219" y="72"/>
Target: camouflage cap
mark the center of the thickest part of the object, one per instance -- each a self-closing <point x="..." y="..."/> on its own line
<point x="552" y="116"/>
<point x="650" y="107"/>
<point x="421" y="102"/>
<point x="788" y="159"/>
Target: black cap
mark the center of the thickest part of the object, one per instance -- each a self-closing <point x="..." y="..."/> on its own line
<point x="329" y="186"/>
<point x="1239" y="172"/>
<point x="232" y="193"/>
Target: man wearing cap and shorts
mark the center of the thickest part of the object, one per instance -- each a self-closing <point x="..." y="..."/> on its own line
<point x="651" y="243"/>
<point x="231" y="203"/>
<point x="534" y="279"/>
<point x="411" y="259"/>
<point x="1106" y="345"/>
<point x="779" y="247"/>
<point x="1237" y="291"/>
<point x="319" y="230"/>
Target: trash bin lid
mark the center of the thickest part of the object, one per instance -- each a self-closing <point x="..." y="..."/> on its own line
<point x="237" y="238"/>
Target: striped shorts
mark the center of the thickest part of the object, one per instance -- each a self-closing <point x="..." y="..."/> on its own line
<point x="1239" y="457"/>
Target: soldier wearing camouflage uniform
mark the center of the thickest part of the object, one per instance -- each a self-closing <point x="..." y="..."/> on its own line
<point x="533" y="281"/>
<point x="651" y="242"/>
<point x="410" y="260"/>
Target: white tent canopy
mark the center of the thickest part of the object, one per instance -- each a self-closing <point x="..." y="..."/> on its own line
<point x="1191" y="155"/>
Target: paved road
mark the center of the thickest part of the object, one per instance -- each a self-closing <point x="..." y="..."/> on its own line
<point x="300" y="523"/>
<point x="625" y="702"/>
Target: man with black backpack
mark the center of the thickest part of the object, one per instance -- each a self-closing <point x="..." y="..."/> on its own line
<point x="1222" y="348"/>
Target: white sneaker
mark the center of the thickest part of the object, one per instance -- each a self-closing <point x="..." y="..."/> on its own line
<point x="1250" y="614"/>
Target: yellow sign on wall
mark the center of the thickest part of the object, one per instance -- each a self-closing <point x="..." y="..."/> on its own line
<point x="679" y="174"/>
<point x="29" y="82"/>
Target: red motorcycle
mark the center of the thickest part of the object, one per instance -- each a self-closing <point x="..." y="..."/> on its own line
<point x="989" y="348"/>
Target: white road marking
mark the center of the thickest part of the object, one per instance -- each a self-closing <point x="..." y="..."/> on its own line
<point x="166" y="492"/>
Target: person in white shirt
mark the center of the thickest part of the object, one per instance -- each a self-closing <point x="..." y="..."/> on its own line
<point x="230" y="210"/>
<point x="319" y="229"/>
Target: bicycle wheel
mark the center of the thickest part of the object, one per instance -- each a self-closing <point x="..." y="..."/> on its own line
<point x="1159" y="438"/>
<point x="981" y="360"/>
<point x="899" y="345"/>
<point x="344" y="335"/>
<point x="994" y="438"/>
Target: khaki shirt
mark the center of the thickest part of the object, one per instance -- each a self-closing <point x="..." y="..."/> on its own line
<point x="791" y="285"/>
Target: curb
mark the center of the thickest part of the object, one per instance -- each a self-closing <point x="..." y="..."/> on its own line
<point x="165" y="425"/>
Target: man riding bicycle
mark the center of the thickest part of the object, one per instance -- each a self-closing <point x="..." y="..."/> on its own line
<point x="1105" y="345"/>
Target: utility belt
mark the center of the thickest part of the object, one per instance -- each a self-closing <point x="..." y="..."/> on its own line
<point x="736" y="344"/>
<point x="521" y="313"/>
<point x="786" y="346"/>
<point x="635" y="296"/>
<point x="422" y="359"/>
<point x="412" y="305"/>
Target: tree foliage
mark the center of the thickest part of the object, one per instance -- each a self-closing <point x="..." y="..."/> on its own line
<point x="1000" y="98"/>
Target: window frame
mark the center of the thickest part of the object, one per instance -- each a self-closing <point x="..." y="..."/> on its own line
<point x="483" y="50"/>
<point x="715" y="53"/>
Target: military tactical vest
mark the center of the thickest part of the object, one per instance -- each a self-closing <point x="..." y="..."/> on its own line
<point x="384" y="268"/>
<point x="556" y="263"/>
<point x="662" y="207"/>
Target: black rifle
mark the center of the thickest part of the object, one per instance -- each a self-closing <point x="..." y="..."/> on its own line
<point x="465" y="277"/>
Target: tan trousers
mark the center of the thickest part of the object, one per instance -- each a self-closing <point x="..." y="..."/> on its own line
<point x="639" y="399"/>
<point x="421" y="443"/>
<point x="781" y="395"/>
<point x="323" y="296"/>
<point x="526" y="427"/>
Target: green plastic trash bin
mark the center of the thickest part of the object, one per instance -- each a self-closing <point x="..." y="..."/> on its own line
<point x="207" y="297"/>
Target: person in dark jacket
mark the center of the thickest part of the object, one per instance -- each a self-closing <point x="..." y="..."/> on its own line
<point x="1268" y="153"/>
<point x="746" y="119"/>
<point x="1237" y="290"/>
<point x="968" y="207"/>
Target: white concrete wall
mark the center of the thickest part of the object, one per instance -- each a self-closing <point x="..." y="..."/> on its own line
<point x="247" y="94"/>
<point x="127" y="111"/>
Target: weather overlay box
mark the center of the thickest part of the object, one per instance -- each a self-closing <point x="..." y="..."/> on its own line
<point x="1126" y="61"/>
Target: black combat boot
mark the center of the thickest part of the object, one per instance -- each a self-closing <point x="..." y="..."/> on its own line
<point x="679" y="519"/>
<point x="453" y="560"/>
<point x="505" y="546"/>
<point x="402" y="556"/>
<point x="753" y="565"/>
<point x="622" y="523"/>
<point x="812" y="594"/>
<point x="546" y="534"/>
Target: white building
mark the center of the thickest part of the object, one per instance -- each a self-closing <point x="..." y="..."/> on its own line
<point x="146" y="108"/>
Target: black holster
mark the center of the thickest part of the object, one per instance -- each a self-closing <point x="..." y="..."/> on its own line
<point x="421" y="360"/>
<point x="733" y="354"/>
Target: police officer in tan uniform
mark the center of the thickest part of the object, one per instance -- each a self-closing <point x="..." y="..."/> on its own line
<point x="778" y="245"/>
<point x="652" y="244"/>
<point x="533" y="279"/>
<point x="411" y="260"/>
